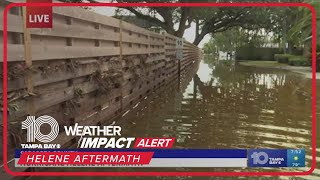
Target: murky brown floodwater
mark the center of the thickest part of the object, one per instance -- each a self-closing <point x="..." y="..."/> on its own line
<point x="226" y="106"/>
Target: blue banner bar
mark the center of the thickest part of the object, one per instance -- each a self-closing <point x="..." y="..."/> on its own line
<point x="161" y="153"/>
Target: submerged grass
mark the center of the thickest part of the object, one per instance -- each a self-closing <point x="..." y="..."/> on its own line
<point x="262" y="63"/>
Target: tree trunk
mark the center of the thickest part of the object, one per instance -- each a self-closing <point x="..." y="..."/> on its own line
<point x="284" y="37"/>
<point x="179" y="33"/>
<point x="197" y="27"/>
<point x="290" y="47"/>
<point x="317" y="62"/>
<point x="306" y="50"/>
<point x="182" y="25"/>
<point x="199" y="38"/>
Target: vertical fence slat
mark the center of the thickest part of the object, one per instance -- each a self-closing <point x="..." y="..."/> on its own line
<point x="28" y="61"/>
<point x="121" y="51"/>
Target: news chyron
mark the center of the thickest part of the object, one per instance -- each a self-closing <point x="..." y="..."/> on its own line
<point x="104" y="146"/>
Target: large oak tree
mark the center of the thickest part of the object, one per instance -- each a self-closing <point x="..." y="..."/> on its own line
<point x="175" y="20"/>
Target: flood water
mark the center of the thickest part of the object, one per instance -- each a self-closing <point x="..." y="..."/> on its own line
<point x="226" y="106"/>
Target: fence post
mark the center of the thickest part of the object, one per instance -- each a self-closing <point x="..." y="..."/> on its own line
<point x="149" y="46"/>
<point x="120" y="46"/>
<point x="28" y="61"/>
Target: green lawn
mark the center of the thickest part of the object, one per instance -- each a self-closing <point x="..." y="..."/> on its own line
<point x="262" y="63"/>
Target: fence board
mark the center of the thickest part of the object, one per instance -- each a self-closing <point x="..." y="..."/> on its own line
<point x="87" y="15"/>
<point x="15" y="52"/>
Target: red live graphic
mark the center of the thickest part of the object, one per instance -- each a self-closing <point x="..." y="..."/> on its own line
<point x="39" y="17"/>
<point x="84" y="158"/>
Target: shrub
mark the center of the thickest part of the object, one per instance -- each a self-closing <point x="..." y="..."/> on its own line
<point x="253" y="53"/>
<point x="282" y="58"/>
<point x="226" y="62"/>
<point x="299" y="61"/>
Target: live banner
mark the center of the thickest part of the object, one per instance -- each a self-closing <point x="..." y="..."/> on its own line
<point x="39" y="16"/>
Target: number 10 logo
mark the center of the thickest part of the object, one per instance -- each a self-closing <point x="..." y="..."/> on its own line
<point x="33" y="128"/>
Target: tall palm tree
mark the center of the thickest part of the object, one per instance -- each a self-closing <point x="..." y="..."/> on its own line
<point x="301" y="32"/>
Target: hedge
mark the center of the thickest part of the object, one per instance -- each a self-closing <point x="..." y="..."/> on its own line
<point x="299" y="61"/>
<point x="258" y="54"/>
<point x="282" y="58"/>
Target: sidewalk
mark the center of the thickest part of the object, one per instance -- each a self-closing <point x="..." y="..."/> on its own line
<point x="305" y="71"/>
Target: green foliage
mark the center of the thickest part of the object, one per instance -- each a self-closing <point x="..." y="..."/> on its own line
<point x="207" y="19"/>
<point x="263" y="64"/>
<point x="230" y="39"/>
<point x="302" y="28"/>
<point x="282" y="58"/>
<point x="299" y="61"/>
<point x="256" y="54"/>
<point x="209" y="47"/>
<point x="227" y="63"/>
<point x="209" y="59"/>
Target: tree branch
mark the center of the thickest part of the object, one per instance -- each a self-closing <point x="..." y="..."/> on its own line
<point x="185" y="16"/>
<point x="145" y="17"/>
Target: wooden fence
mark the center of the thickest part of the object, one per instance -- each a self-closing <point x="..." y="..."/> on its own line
<point x="87" y="69"/>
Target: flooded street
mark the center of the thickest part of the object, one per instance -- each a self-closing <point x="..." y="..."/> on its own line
<point x="226" y="106"/>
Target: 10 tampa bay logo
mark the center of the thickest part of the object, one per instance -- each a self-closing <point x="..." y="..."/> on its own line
<point x="33" y="126"/>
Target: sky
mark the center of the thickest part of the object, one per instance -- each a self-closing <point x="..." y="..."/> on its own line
<point x="189" y="34"/>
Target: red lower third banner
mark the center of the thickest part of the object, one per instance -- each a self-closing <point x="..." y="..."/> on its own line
<point x="84" y="158"/>
<point x="39" y="17"/>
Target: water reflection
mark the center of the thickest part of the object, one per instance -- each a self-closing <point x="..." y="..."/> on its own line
<point x="228" y="106"/>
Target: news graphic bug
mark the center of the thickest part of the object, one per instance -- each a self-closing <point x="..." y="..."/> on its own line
<point x="33" y="125"/>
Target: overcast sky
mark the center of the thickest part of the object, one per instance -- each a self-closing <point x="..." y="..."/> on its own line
<point x="189" y="34"/>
